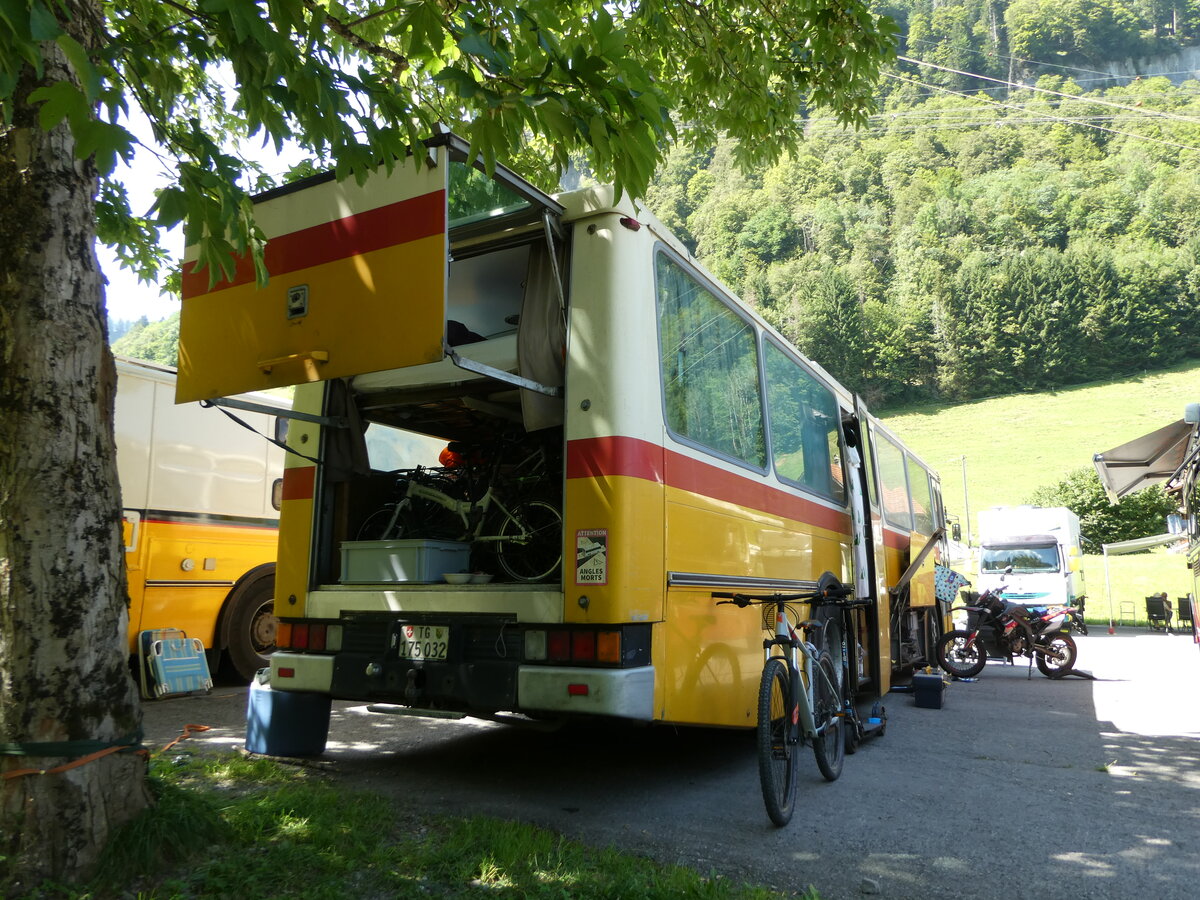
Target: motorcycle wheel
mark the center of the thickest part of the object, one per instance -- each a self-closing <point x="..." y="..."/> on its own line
<point x="955" y="657"/>
<point x="1061" y="643"/>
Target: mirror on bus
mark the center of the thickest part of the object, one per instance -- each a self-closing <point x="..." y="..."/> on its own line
<point x="956" y="532"/>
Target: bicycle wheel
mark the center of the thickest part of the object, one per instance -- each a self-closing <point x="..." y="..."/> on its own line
<point x="530" y="548"/>
<point x="778" y="754"/>
<point x="378" y="526"/>
<point x="829" y="746"/>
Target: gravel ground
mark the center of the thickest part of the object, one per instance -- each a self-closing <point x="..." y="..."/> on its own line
<point x="1018" y="788"/>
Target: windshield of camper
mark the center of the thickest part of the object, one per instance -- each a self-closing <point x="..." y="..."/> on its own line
<point x="1024" y="558"/>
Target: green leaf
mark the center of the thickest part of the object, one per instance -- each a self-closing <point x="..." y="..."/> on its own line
<point x="78" y="58"/>
<point x="60" y="100"/>
<point x="42" y="24"/>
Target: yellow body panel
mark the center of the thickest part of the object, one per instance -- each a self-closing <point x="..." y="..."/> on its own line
<point x="261" y="348"/>
<point x="629" y="511"/>
<point x="180" y="573"/>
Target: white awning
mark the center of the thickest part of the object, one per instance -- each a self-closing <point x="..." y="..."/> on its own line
<point x="1142" y="543"/>
<point x="1146" y="460"/>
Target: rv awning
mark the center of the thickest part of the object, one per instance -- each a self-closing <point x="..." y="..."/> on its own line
<point x="1142" y="543"/>
<point x="1146" y="460"/>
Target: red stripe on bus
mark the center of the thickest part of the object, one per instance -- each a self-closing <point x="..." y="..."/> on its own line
<point x="299" y="482"/>
<point x="597" y="457"/>
<point x="375" y="229"/>
<point x="634" y="458"/>
<point x="895" y="540"/>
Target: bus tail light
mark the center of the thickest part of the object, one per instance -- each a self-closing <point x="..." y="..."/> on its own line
<point x="535" y="645"/>
<point x="318" y="636"/>
<point x="583" y="646"/>
<point x="608" y="646"/>
<point x="577" y="690"/>
<point x="559" y="646"/>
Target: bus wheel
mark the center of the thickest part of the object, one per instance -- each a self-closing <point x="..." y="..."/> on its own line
<point x="252" y="626"/>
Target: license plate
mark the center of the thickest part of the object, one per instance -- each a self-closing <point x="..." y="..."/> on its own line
<point x="421" y="641"/>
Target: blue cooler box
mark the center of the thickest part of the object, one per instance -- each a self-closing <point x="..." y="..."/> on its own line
<point x="283" y="723"/>
<point x="930" y="690"/>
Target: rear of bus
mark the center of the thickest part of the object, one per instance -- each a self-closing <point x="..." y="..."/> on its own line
<point x="687" y="449"/>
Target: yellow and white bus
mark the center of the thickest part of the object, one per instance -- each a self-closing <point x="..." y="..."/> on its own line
<point x="200" y="498"/>
<point x="594" y="380"/>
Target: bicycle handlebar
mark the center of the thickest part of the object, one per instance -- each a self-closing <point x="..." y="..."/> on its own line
<point x="830" y="595"/>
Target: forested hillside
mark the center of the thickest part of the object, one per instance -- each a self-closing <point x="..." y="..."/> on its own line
<point x="978" y="238"/>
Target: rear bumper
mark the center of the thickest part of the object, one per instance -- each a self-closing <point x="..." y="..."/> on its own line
<point x="472" y="687"/>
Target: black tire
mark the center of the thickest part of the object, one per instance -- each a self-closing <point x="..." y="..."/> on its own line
<point x="955" y="657"/>
<point x="252" y="626"/>
<point x="829" y="746"/>
<point x="778" y="748"/>
<point x="1054" y="668"/>
<point x="377" y="526"/>
<point x="539" y="556"/>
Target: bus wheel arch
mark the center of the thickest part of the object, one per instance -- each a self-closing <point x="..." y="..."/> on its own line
<point x="248" y="623"/>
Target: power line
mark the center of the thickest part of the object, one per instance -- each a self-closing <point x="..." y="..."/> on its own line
<point x="1075" y="97"/>
<point x="1049" y="116"/>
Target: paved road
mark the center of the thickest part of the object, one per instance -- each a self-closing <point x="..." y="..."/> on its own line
<point x="1017" y="788"/>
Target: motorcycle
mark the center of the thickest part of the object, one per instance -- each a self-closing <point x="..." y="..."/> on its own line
<point x="999" y="629"/>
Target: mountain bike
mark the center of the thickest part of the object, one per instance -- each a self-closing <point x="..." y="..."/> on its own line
<point x="500" y="499"/>
<point x="801" y="696"/>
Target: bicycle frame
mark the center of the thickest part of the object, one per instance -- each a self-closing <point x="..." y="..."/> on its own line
<point x="802" y="689"/>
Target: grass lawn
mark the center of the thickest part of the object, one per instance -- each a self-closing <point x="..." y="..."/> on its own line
<point x="228" y="826"/>
<point x="1015" y="444"/>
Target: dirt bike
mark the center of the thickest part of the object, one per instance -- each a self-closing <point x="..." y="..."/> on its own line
<point x="999" y="629"/>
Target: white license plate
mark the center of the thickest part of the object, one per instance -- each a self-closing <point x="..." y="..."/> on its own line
<point x="422" y="641"/>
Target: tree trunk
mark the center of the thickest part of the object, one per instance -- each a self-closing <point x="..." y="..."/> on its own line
<point x="64" y="673"/>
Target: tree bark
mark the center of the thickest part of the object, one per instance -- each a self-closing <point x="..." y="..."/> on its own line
<point x="64" y="673"/>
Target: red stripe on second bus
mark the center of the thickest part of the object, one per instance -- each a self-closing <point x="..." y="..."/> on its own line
<point x="299" y="482"/>
<point x="375" y="229"/>
<point x="634" y="458"/>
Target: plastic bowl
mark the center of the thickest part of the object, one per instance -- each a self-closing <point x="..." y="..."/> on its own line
<point x="480" y="578"/>
<point x="457" y="577"/>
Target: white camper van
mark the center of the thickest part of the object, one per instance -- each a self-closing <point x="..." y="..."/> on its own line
<point x="1042" y="546"/>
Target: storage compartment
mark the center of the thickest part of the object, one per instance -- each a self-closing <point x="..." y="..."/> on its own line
<point x="930" y="690"/>
<point x="418" y="560"/>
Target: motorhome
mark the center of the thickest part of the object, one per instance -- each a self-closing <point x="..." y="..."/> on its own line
<point x="1042" y="547"/>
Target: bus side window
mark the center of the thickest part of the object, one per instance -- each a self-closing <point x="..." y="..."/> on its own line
<point x="868" y="448"/>
<point x="709" y="368"/>
<point x="893" y="483"/>
<point x="922" y="499"/>
<point x="803" y="416"/>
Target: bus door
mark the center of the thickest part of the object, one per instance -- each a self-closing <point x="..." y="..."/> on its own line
<point x="358" y="276"/>
<point x="863" y="649"/>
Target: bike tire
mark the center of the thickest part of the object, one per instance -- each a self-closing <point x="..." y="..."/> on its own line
<point x="376" y="526"/>
<point x="829" y="746"/>
<point x="778" y="748"/>
<point x="1056" y="668"/>
<point x="539" y="556"/>
<point x="955" y="657"/>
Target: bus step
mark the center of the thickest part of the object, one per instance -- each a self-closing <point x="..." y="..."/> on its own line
<point x="392" y="710"/>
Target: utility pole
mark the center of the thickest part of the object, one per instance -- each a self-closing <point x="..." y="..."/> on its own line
<point x="966" y="502"/>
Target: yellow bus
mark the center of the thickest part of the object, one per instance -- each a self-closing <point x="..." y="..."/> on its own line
<point x="200" y="497"/>
<point x="623" y="439"/>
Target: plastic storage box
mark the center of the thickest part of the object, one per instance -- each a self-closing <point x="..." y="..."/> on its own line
<point x="930" y="690"/>
<point x="419" y="561"/>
